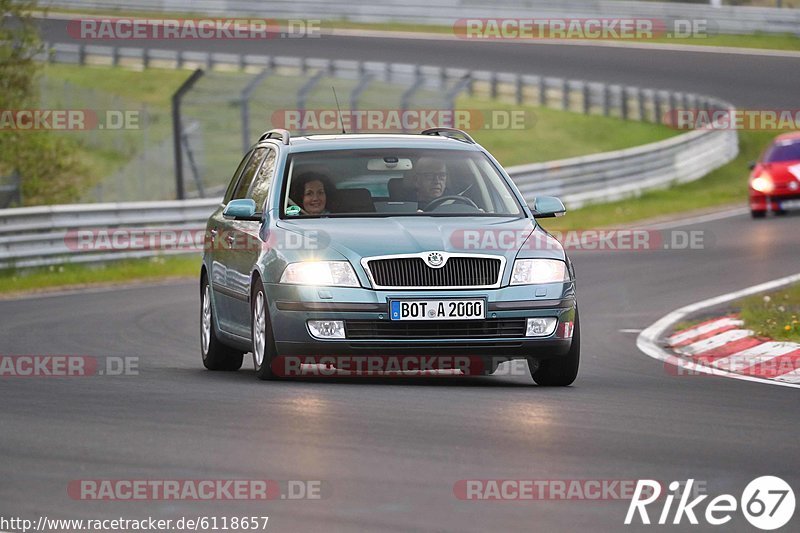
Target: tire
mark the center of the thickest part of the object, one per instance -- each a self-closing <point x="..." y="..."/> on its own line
<point x="758" y="214"/>
<point x="780" y="212"/>
<point x="264" y="352"/>
<point x="560" y="371"/>
<point x="216" y="355"/>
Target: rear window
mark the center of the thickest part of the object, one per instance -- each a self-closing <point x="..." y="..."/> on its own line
<point x="785" y="151"/>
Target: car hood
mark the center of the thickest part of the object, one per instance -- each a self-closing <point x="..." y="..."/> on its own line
<point x="356" y="238"/>
<point x="784" y="171"/>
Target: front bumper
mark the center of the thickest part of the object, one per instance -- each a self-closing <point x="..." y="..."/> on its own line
<point x="292" y="306"/>
<point x="780" y="201"/>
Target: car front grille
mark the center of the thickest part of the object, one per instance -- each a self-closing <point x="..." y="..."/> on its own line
<point x="458" y="271"/>
<point x="431" y="329"/>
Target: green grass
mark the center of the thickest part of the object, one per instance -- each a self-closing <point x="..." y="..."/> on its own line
<point x="725" y="186"/>
<point x="74" y="275"/>
<point x="767" y="41"/>
<point x="547" y="134"/>
<point x="550" y="134"/>
<point x="775" y="315"/>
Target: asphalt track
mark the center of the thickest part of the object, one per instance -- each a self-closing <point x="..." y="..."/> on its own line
<point x="391" y="450"/>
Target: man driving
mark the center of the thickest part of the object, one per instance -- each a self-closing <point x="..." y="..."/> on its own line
<point x="430" y="180"/>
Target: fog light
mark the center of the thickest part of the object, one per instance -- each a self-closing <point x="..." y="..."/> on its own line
<point x="326" y="329"/>
<point x="541" y="327"/>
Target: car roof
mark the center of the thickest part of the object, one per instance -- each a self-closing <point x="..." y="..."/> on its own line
<point x="352" y="141"/>
<point x="791" y="136"/>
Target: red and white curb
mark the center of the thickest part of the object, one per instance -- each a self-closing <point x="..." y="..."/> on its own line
<point x="721" y="347"/>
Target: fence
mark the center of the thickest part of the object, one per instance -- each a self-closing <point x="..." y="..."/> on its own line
<point x="10" y="190"/>
<point x="724" y="19"/>
<point x="38" y="236"/>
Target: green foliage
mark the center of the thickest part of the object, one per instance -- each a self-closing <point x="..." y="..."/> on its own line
<point x="775" y="315"/>
<point x="49" y="172"/>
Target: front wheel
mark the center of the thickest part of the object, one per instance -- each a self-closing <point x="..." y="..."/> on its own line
<point x="263" y="343"/>
<point x="758" y="214"/>
<point x="560" y="371"/>
<point x="216" y="356"/>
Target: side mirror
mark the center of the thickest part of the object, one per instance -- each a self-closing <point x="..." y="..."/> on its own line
<point x="244" y="209"/>
<point x="547" y="207"/>
<point x="751" y="165"/>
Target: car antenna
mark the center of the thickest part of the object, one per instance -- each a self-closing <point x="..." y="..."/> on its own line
<point x="339" y="109"/>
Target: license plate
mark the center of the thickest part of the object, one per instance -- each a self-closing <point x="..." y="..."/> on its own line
<point x="438" y="309"/>
<point x="790" y="204"/>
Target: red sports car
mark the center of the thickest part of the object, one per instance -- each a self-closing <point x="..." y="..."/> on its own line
<point x="775" y="179"/>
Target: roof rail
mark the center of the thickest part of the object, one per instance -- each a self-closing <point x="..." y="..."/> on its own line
<point x="283" y="134"/>
<point x="452" y="131"/>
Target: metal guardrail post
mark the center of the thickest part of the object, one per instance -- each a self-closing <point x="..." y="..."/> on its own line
<point x="565" y="95"/>
<point x="358" y="90"/>
<point x="405" y="99"/>
<point x="302" y="94"/>
<point x="587" y="99"/>
<point x="519" y="90"/>
<point x="244" y="100"/>
<point x="623" y="95"/>
<point x="657" y="106"/>
<point x="177" y="130"/>
<point x="542" y="92"/>
<point x="641" y="105"/>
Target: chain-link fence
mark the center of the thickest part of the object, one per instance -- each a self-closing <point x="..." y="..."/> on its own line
<point x="226" y="110"/>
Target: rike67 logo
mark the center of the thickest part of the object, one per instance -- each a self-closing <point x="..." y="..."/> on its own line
<point x="767" y="503"/>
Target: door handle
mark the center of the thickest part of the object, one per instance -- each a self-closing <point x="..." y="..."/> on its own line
<point x="231" y="239"/>
<point x="213" y="232"/>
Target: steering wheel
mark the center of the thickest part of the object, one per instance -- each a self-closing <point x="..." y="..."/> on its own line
<point x="452" y="198"/>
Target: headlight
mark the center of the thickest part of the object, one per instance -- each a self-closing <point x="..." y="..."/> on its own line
<point x="330" y="273"/>
<point x="534" y="271"/>
<point x="763" y="183"/>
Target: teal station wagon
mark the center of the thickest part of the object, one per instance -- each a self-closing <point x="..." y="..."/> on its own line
<point x="384" y="245"/>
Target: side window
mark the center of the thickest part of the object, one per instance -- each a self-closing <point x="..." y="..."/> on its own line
<point x="235" y="178"/>
<point x="248" y="174"/>
<point x="263" y="181"/>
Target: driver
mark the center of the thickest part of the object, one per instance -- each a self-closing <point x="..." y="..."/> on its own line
<point x="430" y="180"/>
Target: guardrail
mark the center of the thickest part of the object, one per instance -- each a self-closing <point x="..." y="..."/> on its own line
<point x="49" y="235"/>
<point x="723" y="19"/>
<point x="46" y="235"/>
<point x="39" y="236"/>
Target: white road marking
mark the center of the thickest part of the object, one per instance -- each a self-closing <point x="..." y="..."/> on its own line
<point x="716" y="341"/>
<point x="703" y="329"/>
<point x="648" y="339"/>
<point x="790" y="377"/>
<point x="755" y="355"/>
<point x="699" y="219"/>
<point x="630" y="331"/>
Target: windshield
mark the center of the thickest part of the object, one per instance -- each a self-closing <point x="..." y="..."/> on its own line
<point x="395" y="182"/>
<point x="786" y="151"/>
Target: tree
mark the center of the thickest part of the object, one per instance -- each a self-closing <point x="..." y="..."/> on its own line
<point x="49" y="172"/>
